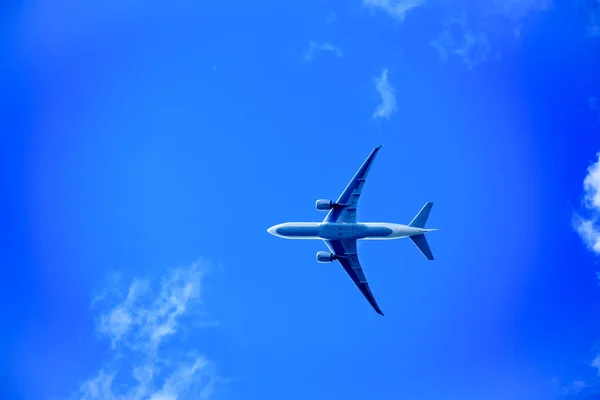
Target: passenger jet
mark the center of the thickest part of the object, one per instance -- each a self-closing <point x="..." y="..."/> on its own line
<point x="340" y="231"/>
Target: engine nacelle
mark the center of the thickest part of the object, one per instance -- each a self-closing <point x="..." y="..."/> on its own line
<point x="325" y="257"/>
<point x="324" y="205"/>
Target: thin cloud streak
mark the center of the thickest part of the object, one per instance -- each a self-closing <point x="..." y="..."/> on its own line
<point x="314" y="48"/>
<point x="388" y="97"/>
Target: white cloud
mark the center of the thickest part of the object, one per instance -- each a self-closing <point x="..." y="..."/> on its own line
<point x="589" y="232"/>
<point x="478" y="35"/>
<point x="149" y="318"/>
<point x="388" y="98"/>
<point x="457" y="39"/>
<point x="117" y="322"/>
<point x="187" y="379"/>
<point x="587" y="227"/>
<point x="396" y="8"/>
<point x="591" y="186"/>
<point x="138" y="326"/>
<point x="181" y="380"/>
<point x="313" y="48"/>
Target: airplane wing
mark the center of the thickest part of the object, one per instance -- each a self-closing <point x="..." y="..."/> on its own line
<point x="348" y="258"/>
<point x="350" y="196"/>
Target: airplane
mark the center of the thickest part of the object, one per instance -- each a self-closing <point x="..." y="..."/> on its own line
<point x="340" y="231"/>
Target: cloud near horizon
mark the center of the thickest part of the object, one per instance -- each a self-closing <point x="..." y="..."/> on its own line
<point x="148" y="361"/>
<point x="388" y="97"/>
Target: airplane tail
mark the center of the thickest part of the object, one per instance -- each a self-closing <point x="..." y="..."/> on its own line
<point x="422" y="245"/>
<point x="419" y="221"/>
<point x="421" y="218"/>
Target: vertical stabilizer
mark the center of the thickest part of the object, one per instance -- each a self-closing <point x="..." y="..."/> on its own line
<point x="421" y="218"/>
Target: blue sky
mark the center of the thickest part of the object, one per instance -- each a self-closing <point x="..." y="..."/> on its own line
<point x="148" y="147"/>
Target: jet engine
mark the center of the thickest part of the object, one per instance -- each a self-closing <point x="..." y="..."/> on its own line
<point x="324" y="205"/>
<point x="325" y="257"/>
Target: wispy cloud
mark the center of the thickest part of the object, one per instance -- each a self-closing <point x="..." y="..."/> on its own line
<point x="596" y="363"/>
<point x="331" y="18"/>
<point x="149" y="318"/>
<point x="388" y="98"/>
<point x="476" y="36"/>
<point x="590" y="10"/>
<point x="395" y="8"/>
<point x="587" y="226"/>
<point x="574" y="387"/>
<point x="593" y="103"/>
<point x="518" y="9"/>
<point x="593" y="28"/>
<point x="589" y="232"/>
<point x="139" y="324"/>
<point x="457" y="39"/>
<point x="185" y="380"/>
<point x="314" y="48"/>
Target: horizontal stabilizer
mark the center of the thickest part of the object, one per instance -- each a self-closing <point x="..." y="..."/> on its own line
<point x="421" y="219"/>
<point x="421" y="242"/>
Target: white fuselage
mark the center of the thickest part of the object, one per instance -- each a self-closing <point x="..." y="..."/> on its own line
<point x="344" y="231"/>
